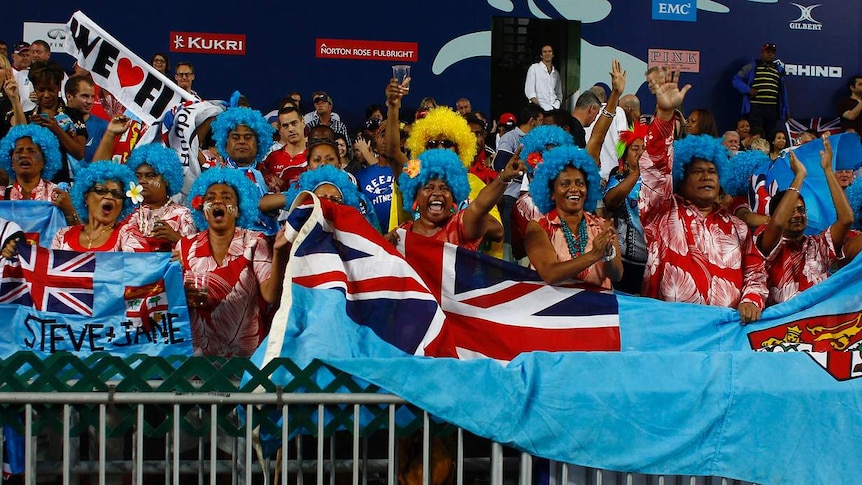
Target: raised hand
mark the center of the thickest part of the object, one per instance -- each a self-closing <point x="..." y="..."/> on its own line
<point x="515" y="168"/>
<point x="118" y="125"/>
<point x="394" y="92"/>
<point x="618" y="77"/>
<point x="826" y="153"/>
<point x="798" y="167"/>
<point x="10" y="87"/>
<point x="668" y="95"/>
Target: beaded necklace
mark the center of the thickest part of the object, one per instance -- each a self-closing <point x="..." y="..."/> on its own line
<point x="576" y="250"/>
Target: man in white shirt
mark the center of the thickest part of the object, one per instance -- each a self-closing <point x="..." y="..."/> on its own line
<point x="543" y="86"/>
<point x="608" y="155"/>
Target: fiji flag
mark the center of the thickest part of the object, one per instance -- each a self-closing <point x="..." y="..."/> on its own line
<point x="691" y="391"/>
<point x="39" y="220"/>
<point x="846" y="154"/>
<point x="65" y="301"/>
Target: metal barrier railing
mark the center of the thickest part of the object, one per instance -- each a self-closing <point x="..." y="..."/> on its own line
<point x="242" y="466"/>
<point x="211" y="428"/>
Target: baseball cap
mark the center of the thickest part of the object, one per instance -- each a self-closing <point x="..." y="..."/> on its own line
<point x="768" y="46"/>
<point x="21" y="47"/>
<point x="508" y="119"/>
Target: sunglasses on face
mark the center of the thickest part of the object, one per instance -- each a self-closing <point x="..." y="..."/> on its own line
<point x="113" y="193"/>
<point x="431" y="144"/>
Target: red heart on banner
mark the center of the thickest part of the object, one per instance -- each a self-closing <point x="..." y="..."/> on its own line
<point x="129" y="75"/>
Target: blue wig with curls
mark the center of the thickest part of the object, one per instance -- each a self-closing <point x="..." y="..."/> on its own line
<point x="327" y="174"/>
<point x="163" y="160"/>
<point x="740" y="169"/>
<point x="854" y="196"/>
<point x="540" y="138"/>
<point x="702" y="147"/>
<point x="247" y="195"/>
<point x="434" y="164"/>
<point x="233" y="117"/>
<point x="43" y="137"/>
<point x="100" y="173"/>
<point x="555" y="161"/>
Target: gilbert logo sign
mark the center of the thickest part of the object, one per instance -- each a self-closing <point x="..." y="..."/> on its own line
<point x="681" y="11"/>
<point x="208" y="43"/>
<point x="806" y="20"/>
<point x="373" y="50"/>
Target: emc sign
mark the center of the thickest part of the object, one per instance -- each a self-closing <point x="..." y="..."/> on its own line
<point x="685" y="11"/>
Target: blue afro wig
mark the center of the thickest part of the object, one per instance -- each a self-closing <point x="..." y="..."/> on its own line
<point x="163" y="160"/>
<point x="854" y="196"/>
<point x="540" y="138"/>
<point x="311" y="179"/>
<point x="557" y="159"/>
<point x="740" y="169"/>
<point x="100" y="173"/>
<point x="233" y="117"/>
<point x="436" y="164"/>
<point x="40" y="136"/>
<point x="246" y="192"/>
<point x="703" y="147"/>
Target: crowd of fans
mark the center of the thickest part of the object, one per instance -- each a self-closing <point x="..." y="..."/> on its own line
<point x="650" y="204"/>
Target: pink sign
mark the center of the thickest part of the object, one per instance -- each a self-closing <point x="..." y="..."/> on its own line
<point x="687" y="61"/>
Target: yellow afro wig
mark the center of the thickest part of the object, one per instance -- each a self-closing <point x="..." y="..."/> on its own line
<point x="443" y="121"/>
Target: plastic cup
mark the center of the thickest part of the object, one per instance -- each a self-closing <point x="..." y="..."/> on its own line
<point x="197" y="288"/>
<point x="401" y="72"/>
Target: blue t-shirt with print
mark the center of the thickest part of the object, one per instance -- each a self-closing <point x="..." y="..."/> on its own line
<point x="376" y="183"/>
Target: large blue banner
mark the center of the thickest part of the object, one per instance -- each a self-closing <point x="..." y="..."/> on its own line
<point x="692" y="391"/>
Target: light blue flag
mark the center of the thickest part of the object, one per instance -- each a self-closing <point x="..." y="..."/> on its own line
<point x="120" y="303"/>
<point x="39" y="220"/>
<point x="686" y="395"/>
<point x="846" y="154"/>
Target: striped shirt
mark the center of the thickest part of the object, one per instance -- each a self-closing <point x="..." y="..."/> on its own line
<point x="766" y="83"/>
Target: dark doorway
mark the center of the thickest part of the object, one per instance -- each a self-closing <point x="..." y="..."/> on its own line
<point x="516" y="44"/>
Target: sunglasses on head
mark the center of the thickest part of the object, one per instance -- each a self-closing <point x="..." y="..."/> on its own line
<point x="102" y="191"/>
<point x="431" y="144"/>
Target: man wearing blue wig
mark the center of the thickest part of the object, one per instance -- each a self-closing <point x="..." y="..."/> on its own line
<point x="697" y="251"/>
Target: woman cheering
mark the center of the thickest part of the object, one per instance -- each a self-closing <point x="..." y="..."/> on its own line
<point x="100" y="199"/>
<point x="569" y="242"/>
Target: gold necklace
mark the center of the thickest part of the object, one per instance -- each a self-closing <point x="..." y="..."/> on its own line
<point x="98" y="235"/>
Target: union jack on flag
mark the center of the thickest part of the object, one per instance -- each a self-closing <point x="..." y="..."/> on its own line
<point x="795" y="127"/>
<point x="442" y="300"/>
<point x="49" y="280"/>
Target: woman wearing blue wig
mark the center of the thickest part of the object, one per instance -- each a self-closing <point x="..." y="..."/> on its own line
<point x="31" y="156"/>
<point x="433" y="184"/>
<point x="569" y="242"/>
<point x="100" y="198"/>
<point x="242" y="273"/>
<point x="158" y="222"/>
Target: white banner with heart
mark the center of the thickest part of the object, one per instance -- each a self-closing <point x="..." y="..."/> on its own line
<point x="140" y="87"/>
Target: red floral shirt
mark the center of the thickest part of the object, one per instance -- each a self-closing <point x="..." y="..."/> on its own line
<point x="793" y="267"/>
<point x="691" y="257"/>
